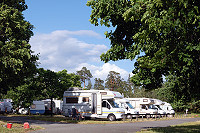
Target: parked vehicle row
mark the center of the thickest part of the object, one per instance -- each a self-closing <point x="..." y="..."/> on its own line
<point x="111" y="105"/>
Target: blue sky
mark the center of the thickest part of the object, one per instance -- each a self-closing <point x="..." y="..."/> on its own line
<point x="66" y="39"/>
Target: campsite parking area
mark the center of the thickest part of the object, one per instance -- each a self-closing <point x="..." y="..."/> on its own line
<point x="52" y="127"/>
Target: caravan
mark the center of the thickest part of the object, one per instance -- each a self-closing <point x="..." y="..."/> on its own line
<point x="93" y="104"/>
<point x="37" y="107"/>
<point x="144" y="105"/>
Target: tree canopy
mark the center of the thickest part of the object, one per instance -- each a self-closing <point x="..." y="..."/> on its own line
<point x="84" y="74"/>
<point x="17" y="61"/>
<point x="162" y="35"/>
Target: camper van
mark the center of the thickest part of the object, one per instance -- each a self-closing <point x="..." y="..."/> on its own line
<point x="130" y="111"/>
<point x="167" y="108"/>
<point x="157" y="104"/>
<point x="37" y="107"/>
<point x="93" y="104"/>
<point x="144" y="105"/>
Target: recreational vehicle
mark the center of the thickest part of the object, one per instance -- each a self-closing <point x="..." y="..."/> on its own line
<point x="157" y="104"/>
<point x="167" y="108"/>
<point x="124" y="103"/>
<point x="93" y="104"/>
<point x="143" y="105"/>
<point x="37" y="107"/>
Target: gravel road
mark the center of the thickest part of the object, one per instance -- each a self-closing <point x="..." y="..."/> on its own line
<point x="52" y="127"/>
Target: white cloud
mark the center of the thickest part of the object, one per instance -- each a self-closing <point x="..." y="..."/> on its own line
<point x="63" y="50"/>
<point x="59" y="50"/>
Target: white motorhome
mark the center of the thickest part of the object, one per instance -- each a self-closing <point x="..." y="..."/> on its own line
<point x="124" y="103"/>
<point x="144" y="105"/>
<point x="37" y="107"/>
<point x="167" y="108"/>
<point x="157" y="104"/>
<point x="93" y="104"/>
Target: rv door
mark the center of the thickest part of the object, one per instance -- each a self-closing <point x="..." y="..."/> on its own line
<point x="99" y="103"/>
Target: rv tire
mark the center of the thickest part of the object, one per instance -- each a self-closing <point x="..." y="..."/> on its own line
<point x="129" y="116"/>
<point x="111" y="117"/>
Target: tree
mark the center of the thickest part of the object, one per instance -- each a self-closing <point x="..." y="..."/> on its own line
<point x="162" y="35"/>
<point x="113" y="80"/>
<point x="65" y="81"/>
<point x="98" y="85"/>
<point x="84" y="75"/>
<point x="17" y="61"/>
<point x="89" y="86"/>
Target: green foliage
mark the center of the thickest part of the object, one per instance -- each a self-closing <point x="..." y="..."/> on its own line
<point x="98" y="85"/>
<point x="84" y="74"/>
<point x="162" y="35"/>
<point x="17" y="61"/>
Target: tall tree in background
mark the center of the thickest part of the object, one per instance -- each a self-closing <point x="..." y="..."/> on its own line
<point x="167" y="34"/>
<point x="98" y="85"/>
<point x="17" y="61"/>
<point x="113" y="80"/>
<point x="89" y="86"/>
<point x="84" y="75"/>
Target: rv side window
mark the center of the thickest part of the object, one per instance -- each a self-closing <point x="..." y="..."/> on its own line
<point x="85" y="99"/>
<point x="72" y="100"/>
<point x="105" y="104"/>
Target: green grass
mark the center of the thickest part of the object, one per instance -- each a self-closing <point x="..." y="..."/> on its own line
<point x="16" y="128"/>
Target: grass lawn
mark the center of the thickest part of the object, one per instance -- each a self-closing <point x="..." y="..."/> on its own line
<point x="16" y="128"/>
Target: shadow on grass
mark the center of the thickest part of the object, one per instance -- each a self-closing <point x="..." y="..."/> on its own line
<point x="178" y="129"/>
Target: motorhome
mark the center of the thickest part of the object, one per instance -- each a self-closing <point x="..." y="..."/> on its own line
<point x="157" y="104"/>
<point x="143" y="105"/>
<point x="93" y="104"/>
<point x="167" y="108"/>
<point x="37" y="107"/>
<point x="124" y="103"/>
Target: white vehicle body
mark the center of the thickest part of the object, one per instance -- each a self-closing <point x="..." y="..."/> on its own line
<point x="6" y="106"/>
<point x="158" y="103"/>
<point x="23" y="111"/>
<point x="167" y="108"/>
<point x="2" y="109"/>
<point x="58" y="105"/>
<point x="93" y="103"/>
<point x="47" y="104"/>
<point x="37" y="107"/>
<point x="124" y="103"/>
<point x="143" y="105"/>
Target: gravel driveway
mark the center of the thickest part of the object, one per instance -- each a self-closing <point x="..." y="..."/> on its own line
<point x="52" y="127"/>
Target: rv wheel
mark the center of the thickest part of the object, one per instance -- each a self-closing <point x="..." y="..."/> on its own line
<point x="111" y="117"/>
<point x="129" y="116"/>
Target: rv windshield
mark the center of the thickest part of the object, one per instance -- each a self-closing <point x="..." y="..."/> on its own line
<point x="112" y="103"/>
<point x="129" y="105"/>
<point x="152" y="106"/>
<point x="158" y="107"/>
